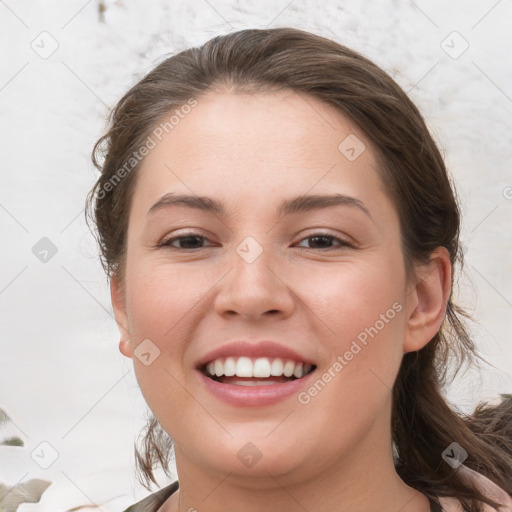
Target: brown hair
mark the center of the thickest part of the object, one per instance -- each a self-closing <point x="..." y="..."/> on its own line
<point x="415" y="176"/>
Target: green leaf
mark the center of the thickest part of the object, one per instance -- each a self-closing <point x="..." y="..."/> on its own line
<point x="12" y="441"/>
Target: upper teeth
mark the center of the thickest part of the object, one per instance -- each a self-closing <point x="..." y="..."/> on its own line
<point x="260" y="367"/>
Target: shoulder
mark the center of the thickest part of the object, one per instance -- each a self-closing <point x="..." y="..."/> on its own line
<point x="154" y="501"/>
<point x="486" y="486"/>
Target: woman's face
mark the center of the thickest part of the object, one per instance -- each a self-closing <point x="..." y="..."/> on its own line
<point x="263" y="282"/>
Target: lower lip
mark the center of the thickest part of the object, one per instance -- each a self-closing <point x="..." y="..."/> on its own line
<point x="253" y="396"/>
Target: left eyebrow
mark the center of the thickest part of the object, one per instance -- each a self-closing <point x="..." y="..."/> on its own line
<point x="292" y="205"/>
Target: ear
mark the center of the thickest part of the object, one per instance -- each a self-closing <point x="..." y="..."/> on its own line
<point x="426" y="304"/>
<point x="119" y="307"/>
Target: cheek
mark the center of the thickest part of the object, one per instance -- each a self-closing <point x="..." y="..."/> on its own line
<point x="161" y="296"/>
<point x="163" y="301"/>
<point x="362" y="307"/>
<point x="354" y="296"/>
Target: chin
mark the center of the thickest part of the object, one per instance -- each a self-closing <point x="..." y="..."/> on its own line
<point x="252" y="452"/>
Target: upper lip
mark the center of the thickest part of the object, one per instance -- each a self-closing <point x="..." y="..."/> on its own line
<point x="265" y="348"/>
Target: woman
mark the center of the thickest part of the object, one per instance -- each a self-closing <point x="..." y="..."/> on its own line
<point x="280" y="235"/>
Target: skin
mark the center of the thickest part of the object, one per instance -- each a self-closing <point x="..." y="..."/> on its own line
<point x="251" y="152"/>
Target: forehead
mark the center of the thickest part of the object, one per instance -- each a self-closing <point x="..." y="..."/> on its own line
<point x="283" y="124"/>
<point x="257" y="146"/>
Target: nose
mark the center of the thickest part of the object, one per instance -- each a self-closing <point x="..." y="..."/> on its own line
<point x="252" y="289"/>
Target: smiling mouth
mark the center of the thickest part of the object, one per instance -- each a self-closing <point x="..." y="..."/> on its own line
<point x="261" y="371"/>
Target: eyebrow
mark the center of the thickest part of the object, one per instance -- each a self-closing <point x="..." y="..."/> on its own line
<point x="297" y="204"/>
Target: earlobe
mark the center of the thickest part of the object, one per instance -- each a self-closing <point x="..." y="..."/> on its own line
<point x="125" y="348"/>
<point x="428" y="301"/>
<point x="119" y="307"/>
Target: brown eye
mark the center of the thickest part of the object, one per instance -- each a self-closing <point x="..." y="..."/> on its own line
<point x="323" y="241"/>
<point x="188" y="241"/>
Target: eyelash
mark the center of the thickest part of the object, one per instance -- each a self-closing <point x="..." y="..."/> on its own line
<point x="167" y="243"/>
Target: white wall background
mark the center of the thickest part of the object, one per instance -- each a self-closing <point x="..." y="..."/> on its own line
<point x="62" y="379"/>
